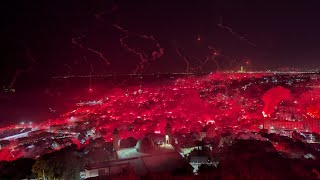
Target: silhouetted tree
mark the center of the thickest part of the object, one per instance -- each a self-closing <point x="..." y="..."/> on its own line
<point x="61" y="164"/>
<point x="18" y="169"/>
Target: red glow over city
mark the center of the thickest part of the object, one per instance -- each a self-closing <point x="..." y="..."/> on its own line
<point x="160" y="90"/>
<point x="239" y="101"/>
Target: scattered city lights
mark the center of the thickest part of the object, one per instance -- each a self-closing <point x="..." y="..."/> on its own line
<point x="188" y="103"/>
<point x="160" y="90"/>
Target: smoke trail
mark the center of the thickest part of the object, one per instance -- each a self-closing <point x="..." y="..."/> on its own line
<point x="18" y="72"/>
<point x="144" y="57"/>
<point x="78" y="41"/>
<point x="235" y="34"/>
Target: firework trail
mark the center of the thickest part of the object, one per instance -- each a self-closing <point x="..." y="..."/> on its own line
<point x="78" y="41"/>
<point x="212" y="57"/>
<point x="184" y="58"/>
<point x="213" y="53"/>
<point x="144" y="57"/>
<point x="159" y="53"/>
<point x="90" y="76"/>
<point x="100" y="15"/>
<point x="18" y="72"/>
<point x="69" y="69"/>
<point x="235" y="34"/>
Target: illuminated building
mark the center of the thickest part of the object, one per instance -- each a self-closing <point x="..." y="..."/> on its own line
<point x="242" y="70"/>
<point x="168" y="134"/>
<point x="154" y="164"/>
<point x="197" y="161"/>
<point x="143" y="159"/>
<point x="116" y="142"/>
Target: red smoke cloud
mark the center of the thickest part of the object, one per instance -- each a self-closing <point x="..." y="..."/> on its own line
<point x="273" y="97"/>
<point x="314" y="110"/>
<point x="6" y="154"/>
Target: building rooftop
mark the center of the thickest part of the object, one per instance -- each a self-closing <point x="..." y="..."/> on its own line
<point x="150" y="163"/>
<point x="199" y="159"/>
<point x="126" y="153"/>
<point x="145" y="145"/>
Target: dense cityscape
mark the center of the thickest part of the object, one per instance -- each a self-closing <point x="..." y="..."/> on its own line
<point x="215" y="110"/>
<point x="162" y="89"/>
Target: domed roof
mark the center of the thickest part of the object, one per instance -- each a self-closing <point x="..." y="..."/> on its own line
<point x="145" y="145"/>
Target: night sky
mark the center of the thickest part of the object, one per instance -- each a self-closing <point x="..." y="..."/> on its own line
<point x="36" y="36"/>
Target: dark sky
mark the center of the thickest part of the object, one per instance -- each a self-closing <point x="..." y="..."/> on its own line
<point x="36" y="36"/>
